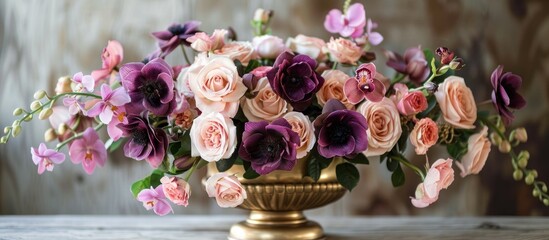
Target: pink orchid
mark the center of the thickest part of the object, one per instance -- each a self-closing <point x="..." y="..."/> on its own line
<point x="155" y="199"/>
<point x="112" y="55"/>
<point x="74" y="105"/>
<point x="201" y="42"/>
<point x="88" y="150"/>
<point x="364" y="85"/>
<point x="374" y="38"/>
<point x="45" y="158"/>
<point x="110" y="103"/>
<point x="351" y="24"/>
<point x="83" y="82"/>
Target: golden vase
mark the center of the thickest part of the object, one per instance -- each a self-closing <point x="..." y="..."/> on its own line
<point x="277" y="201"/>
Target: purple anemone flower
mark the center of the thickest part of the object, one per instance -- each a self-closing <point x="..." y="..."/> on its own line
<point x="294" y="79"/>
<point x="176" y="34"/>
<point x="150" y="86"/>
<point x="412" y="64"/>
<point x="505" y="95"/>
<point x="269" y="146"/>
<point x="364" y="85"/>
<point x="145" y="142"/>
<point x="340" y="132"/>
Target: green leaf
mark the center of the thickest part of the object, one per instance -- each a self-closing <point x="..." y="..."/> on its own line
<point x="433" y="66"/>
<point x="239" y="68"/>
<point x="398" y="178"/>
<point x="115" y="144"/>
<point x="152" y="180"/>
<point x="457" y="149"/>
<point x="224" y="164"/>
<point x="359" y="159"/>
<point x="252" y="64"/>
<point x="137" y="187"/>
<point x="392" y="164"/>
<point x="181" y="148"/>
<point x="313" y="168"/>
<point x="347" y="175"/>
<point x="250" y="174"/>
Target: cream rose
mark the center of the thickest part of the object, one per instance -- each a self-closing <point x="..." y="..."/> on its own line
<point x="334" y="80"/>
<point x="424" y="135"/>
<point x="384" y="128"/>
<point x="478" y="148"/>
<point x="241" y="51"/>
<point x="343" y="51"/>
<point x="215" y="85"/>
<point x="457" y="103"/>
<point x="304" y="128"/>
<point x="268" y="46"/>
<point x="266" y="105"/>
<point x="213" y="137"/>
<point x="310" y="46"/>
<point x="182" y="84"/>
<point x="226" y="189"/>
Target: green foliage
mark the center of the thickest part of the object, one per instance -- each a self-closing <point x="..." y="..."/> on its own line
<point x="152" y="180"/>
<point x="359" y="159"/>
<point x="457" y="149"/>
<point x="224" y="164"/>
<point x="398" y="178"/>
<point x="347" y="175"/>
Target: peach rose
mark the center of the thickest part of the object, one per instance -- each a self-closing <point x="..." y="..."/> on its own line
<point x="266" y="105"/>
<point x="268" y="46"/>
<point x="424" y="135"/>
<point x="439" y="177"/>
<point x="213" y="137"/>
<point x="176" y="189"/>
<point x="478" y="148"/>
<point x="457" y="103"/>
<point x="384" y="128"/>
<point x="226" y="189"/>
<point x="343" y="51"/>
<point x="216" y="85"/>
<point x="241" y="51"/>
<point x="310" y="46"/>
<point x="412" y="103"/>
<point x="334" y="80"/>
<point x="304" y="128"/>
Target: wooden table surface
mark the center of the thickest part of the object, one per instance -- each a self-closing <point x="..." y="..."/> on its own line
<point x="217" y="227"/>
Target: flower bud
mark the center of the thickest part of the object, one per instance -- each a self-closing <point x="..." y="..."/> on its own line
<point x="443" y="69"/>
<point x="544" y="188"/>
<point x="35" y="105"/>
<point x="7" y="129"/>
<point x="183" y="163"/>
<point x="445" y="55"/>
<point x="529" y="179"/>
<point x="534" y="173"/>
<point x="17" y="111"/>
<point x="62" y="128"/>
<point x="28" y="118"/>
<point x="457" y="64"/>
<point x="522" y="162"/>
<point x="500" y="125"/>
<point x="521" y="135"/>
<point x="495" y="138"/>
<point x="546" y="202"/>
<point x="535" y="193"/>
<point x="4" y="139"/>
<point x="517" y="175"/>
<point x="16" y="131"/>
<point x="523" y="156"/>
<point x="262" y="15"/>
<point x="504" y="146"/>
<point x="63" y="85"/>
<point x="50" y="135"/>
<point x="45" y="113"/>
<point x="39" y="94"/>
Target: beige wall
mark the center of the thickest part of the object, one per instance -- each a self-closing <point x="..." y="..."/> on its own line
<point x="42" y="40"/>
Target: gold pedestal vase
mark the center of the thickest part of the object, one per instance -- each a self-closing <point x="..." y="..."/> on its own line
<point x="277" y="201"/>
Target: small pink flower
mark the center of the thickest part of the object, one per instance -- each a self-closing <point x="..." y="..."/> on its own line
<point x="409" y="103"/>
<point x="351" y="24"/>
<point x="343" y="50"/>
<point x="439" y="177"/>
<point x="112" y="55"/>
<point x="74" y="105"/>
<point x="226" y="189"/>
<point x="176" y="190"/>
<point x="155" y="199"/>
<point x="45" y="158"/>
<point x="424" y="135"/>
<point x="374" y="38"/>
<point x="110" y="103"/>
<point x="201" y="42"/>
<point x="365" y="85"/>
<point x="88" y="150"/>
<point x="83" y="82"/>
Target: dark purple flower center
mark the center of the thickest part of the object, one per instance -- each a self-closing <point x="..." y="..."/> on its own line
<point x="339" y="133"/>
<point x="140" y="137"/>
<point x="153" y="91"/>
<point x="268" y="149"/>
<point x="177" y="29"/>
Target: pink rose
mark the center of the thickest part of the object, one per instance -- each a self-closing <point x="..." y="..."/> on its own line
<point x="268" y="46"/>
<point x="343" y="51"/>
<point x="412" y="103"/>
<point x="439" y="177"/>
<point x="478" y="148"/>
<point x="213" y="137"/>
<point x="112" y="55"/>
<point x="203" y="43"/>
<point x="176" y="190"/>
<point x="310" y="46"/>
<point x="424" y="135"/>
<point x="226" y="189"/>
<point x="304" y="128"/>
<point x="266" y="105"/>
<point x="241" y="51"/>
<point x="334" y="80"/>
<point x="215" y="84"/>
<point x="384" y="128"/>
<point x="457" y="103"/>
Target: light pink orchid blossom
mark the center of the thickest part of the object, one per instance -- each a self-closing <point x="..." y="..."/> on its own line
<point x="364" y="85"/>
<point x="111" y="101"/>
<point x="112" y="55"/>
<point x="374" y="38"/>
<point x="83" y="82"/>
<point x="46" y="158"/>
<point x="349" y="24"/>
<point x="88" y="150"/>
<point x="155" y="199"/>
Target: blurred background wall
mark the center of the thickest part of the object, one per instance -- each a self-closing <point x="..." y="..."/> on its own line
<point x="42" y="40"/>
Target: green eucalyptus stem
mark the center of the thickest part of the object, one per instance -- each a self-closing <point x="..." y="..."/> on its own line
<point x="408" y="164"/>
<point x="75" y="136"/>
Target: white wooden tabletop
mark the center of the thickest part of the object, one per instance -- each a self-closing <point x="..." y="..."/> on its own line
<point x="217" y="227"/>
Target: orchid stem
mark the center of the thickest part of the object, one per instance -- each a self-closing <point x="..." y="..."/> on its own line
<point x="60" y="145"/>
<point x="185" y="54"/>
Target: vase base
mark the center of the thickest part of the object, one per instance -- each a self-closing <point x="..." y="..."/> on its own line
<point x="276" y="225"/>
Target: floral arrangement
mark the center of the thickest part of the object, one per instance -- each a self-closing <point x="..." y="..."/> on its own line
<point x="267" y="104"/>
